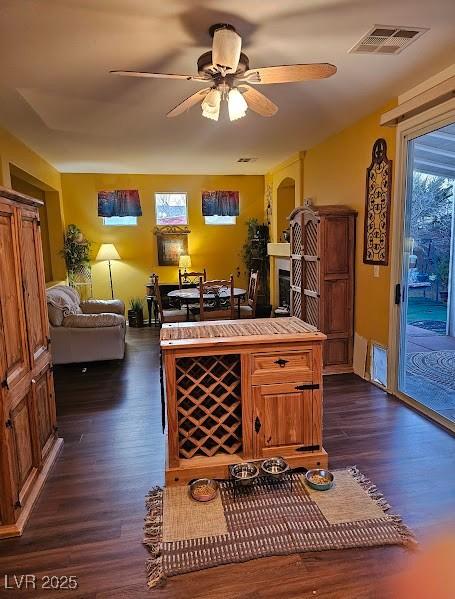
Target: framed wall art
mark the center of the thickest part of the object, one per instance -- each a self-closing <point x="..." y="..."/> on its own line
<point x="172" y="242"/>
<point x="377" y="206"/>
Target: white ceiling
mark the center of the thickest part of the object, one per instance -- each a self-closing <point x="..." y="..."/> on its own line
<point x="57" y="96"/>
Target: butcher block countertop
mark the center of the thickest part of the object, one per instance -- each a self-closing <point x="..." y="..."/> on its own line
<point x="248" y="331"/>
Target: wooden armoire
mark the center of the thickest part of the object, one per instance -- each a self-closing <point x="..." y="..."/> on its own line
<point x="28" y="433"/>
<point x="322" y="277"/>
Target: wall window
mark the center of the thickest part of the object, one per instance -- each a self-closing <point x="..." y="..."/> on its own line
<point x="220" y="220"/>
<point x="171" y="208"/>
<point x="120" y="221"/>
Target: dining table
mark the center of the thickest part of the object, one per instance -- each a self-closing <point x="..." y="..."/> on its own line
<point x="192" y="295"/>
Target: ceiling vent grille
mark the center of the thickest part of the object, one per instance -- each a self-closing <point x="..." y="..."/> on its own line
<point x="387" y="39"/>
<point x="247" y="160"/>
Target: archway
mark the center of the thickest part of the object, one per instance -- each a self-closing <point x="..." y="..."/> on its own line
<point x="285" y="205"/>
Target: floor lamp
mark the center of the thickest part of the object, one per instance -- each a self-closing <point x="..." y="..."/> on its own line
<point x="108" y="252"/>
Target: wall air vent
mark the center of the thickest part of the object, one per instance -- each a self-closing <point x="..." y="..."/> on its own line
<point x="387" y="39"/>
<point x="247" y="160"/>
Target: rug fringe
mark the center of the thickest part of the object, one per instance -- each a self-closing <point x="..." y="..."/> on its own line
<point x="406" y="534"/>
<point x="152" y="537"/>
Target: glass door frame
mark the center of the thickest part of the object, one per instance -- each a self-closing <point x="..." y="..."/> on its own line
<point x="427" y="121"/>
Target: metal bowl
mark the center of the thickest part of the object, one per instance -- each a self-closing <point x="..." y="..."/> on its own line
<point x="320" y="472"/>
<point x="244" y="473"/>
<point x="275" y="467"/>
<point x="203" y="489"/>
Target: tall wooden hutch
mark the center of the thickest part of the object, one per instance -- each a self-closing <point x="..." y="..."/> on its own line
<point x="28" y="431"/>
<point x="322" y="277"/>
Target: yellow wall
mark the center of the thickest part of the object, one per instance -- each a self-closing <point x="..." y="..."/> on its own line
<point x="292" y="168"/>
<point x="17" y="160"/>
<point x="335" y="174"/>
<point x="217" y="248"/>
<point x="289" y="169"/>
<point x="285" y="205"/>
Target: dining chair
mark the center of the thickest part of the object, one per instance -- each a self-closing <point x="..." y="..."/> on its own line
<point x="166" y="315"/>
<point x="248" y="310"/>
<point x="216" y="308"/>
<point x="191" y="278"/>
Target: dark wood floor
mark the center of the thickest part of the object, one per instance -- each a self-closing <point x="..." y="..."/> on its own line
<point x="88" y="522"/>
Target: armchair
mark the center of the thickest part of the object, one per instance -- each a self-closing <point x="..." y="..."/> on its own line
<point x="86" y="331"/>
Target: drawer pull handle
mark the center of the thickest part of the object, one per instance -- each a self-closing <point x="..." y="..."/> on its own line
<point x="281" y="362"/>
<point x="305" y="387"/>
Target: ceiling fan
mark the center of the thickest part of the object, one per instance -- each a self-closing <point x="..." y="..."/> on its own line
<point x="226" y="69"/>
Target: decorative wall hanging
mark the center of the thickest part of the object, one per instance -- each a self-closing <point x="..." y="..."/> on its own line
<point x="121" y="202"/>
<point x="268" y="204"/>
<point x="377" y="206"/>
<point x="172" y="242"/>
<point x="220" y="203"/>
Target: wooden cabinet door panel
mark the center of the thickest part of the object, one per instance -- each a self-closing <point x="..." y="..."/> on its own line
<point x="338" y="244"/>
<point x="21" y="451"/>
<point x="45" y="411"/>
<point x="283" y="420"/>
<point x="337" y="312"/>
<point x="13" y="345"/>
<point x="33" y="284"/>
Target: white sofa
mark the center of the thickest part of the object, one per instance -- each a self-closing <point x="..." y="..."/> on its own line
<point x="86" y="331"/>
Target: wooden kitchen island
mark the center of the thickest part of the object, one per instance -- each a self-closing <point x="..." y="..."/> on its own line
<point x="239" y="390"/>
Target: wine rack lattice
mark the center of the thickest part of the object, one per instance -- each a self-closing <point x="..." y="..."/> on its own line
<point x="209" y="405"/>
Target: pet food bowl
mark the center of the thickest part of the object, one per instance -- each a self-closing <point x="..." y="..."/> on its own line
<point x="312" y="477"/>
<point x="203" y="489"/>
<point x="244" y="473"/>
<point x="275" y="467"/>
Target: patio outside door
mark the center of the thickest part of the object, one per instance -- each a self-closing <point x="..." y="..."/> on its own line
<point x="426" y="361"/>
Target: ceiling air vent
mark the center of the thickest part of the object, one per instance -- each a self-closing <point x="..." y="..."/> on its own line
<point x="247" y="160"/>
<point x="387" y="39"/>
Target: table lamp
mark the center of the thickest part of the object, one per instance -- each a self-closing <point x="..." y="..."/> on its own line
<point x="108" y="252"/>
<point x="185" y="263"/>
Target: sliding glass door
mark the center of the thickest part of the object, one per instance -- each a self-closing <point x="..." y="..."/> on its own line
<point x="426" y="295"/>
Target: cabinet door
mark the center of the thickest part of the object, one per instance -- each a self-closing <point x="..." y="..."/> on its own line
<point x="296" y="272"/>
<point x="283" y="420"/>
<point x="13" y="346"/>
<point x="20" y="447"/>
<point x="311" y="272"/>
<point x="33" y="285"/>
<point x="44" y="401"/>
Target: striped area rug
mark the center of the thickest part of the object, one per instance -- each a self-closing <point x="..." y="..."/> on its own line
<point x="270" y="519"/>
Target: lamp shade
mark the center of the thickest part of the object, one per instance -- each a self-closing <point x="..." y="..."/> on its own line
<point x="107" y="251"/>
<point x="185" y="261"/>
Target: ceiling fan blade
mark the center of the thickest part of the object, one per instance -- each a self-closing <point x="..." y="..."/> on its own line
<point x="289" y="73"/>
<point x="189" y="102"/>
<point x="258" y="102"/>
<point x="226" y="49"/>
<point x="159" y="75"/>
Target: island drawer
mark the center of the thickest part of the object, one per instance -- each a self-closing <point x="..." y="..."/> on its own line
<point x="281" y="367"/>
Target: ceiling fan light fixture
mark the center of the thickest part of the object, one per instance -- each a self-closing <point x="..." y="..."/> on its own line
<point x="237" y="105"/>
<point x="227" y="45"/>
<point x="211" y="105"/>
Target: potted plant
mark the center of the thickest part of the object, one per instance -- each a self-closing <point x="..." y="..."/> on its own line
<point x="136" y="313"/>
<point x="443" y="276"/>
<point x="76" y="252"/>
<point x="255" y="257"/>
